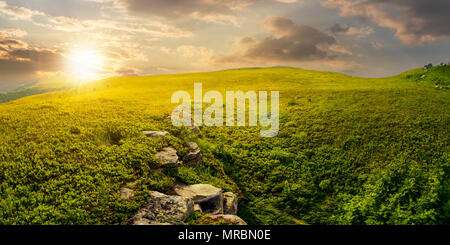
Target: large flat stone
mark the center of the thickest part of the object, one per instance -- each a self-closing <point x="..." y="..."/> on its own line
<point x="209" y="198"/>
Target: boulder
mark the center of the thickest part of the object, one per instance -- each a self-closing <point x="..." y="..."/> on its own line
<point x="126" y="193"/>
<point x="230" y="205"/>
<point x="155" y="134"/>
<point x="197" y="208"/>
<point x="209" y="198"/>
<point x="163" y="209"/>
<point x="168" y="156"/>
<point x="194" y="156"/>
<point x="228" y="218"/>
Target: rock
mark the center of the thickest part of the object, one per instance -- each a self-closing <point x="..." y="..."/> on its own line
<point x="168" y="156"/>
<point x="207" y="196"/>
<point x="194" y="156"/>
<point x="144" y="221"/>
<point x="193" y="146"/>
<point x="163" y="209"/>
<point x="126" y="193"/>
<point x="197" y="208"/>
<point x="228" y="218"/>
<point x="156" y="134"/>
<point x="230" y="205"/>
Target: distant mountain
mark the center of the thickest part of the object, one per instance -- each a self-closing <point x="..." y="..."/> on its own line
<point x="58" y="82"/>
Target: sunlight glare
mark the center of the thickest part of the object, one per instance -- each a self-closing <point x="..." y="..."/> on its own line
<point x="85" y="64"/>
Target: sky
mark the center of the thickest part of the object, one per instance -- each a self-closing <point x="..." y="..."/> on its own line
<point x="370" y="38"/>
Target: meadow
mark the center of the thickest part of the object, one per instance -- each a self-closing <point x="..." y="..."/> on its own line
<point x="350" y="150"/>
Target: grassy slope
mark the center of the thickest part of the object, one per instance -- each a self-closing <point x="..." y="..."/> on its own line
<point x="55" y="83"/>
<point x="350" y="150"/>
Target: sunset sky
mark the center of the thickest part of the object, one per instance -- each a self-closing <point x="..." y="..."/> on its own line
<point x="371" y="38"/>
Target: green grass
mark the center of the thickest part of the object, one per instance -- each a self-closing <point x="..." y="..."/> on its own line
<point x="350" y="150"/>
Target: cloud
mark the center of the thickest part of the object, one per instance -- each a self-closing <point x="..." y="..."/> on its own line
<point x="189" y="51"/>
<point x="12" y="33"/>
<point x="127" y="72"/>
<point x="16" y="12"/>
<point x="291" y="42"/>
<point x="206" y="10"/>
<point x="360" y="32"/>
<point x="156" y="29"/>
<point x="20" y="61"/>
<point x="414" y="21"/>
<point x="68" y="24"/>
<point x="339" y="28"/>
<point x="351" y="30"/>
<point x="339" y="49"/>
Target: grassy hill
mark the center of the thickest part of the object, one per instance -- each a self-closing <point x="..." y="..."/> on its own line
<point x="58" y="82"/>
<point x="350" y="150"/>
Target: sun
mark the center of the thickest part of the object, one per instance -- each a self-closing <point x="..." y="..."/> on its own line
<point x="85" y="64"/>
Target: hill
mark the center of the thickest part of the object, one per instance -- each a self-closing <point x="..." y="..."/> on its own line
<point x="350" y="150"/>
<point x="59" y="82"/>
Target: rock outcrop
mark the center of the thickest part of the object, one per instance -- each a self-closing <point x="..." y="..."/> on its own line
<point x="174" y="209"/>
<point x="230" y="205"/>
<point x="156" y="134"/>
<point x="194" y="156"/>
<point x="168" y="156"/>
<point x="163" y="209"/>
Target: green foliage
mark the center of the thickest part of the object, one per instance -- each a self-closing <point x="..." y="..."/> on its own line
<point x="439" y="75"/>
<point x="403" y="192"/>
